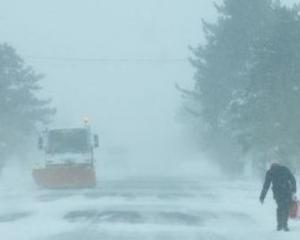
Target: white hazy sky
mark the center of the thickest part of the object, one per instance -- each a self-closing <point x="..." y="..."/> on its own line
<point x="130" y="104"/>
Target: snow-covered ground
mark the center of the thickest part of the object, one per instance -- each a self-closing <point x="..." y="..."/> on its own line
<point x="136" y="208"/>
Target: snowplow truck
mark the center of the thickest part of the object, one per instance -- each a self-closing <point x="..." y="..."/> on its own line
<point x="68" y="159"/>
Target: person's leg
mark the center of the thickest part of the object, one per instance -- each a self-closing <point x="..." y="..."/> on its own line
<point x="279" y="216"/>
<point x="285" y="214"/>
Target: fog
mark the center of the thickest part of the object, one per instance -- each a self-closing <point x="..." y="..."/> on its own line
<point x="118" y="64"/>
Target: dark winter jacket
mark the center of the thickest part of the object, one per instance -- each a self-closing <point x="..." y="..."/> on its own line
<point x="283" y="183"/>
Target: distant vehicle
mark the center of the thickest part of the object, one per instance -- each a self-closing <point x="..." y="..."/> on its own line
<point x="69" y="158"/>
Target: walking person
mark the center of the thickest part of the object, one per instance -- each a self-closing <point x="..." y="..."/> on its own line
<point x="284" y="187"/>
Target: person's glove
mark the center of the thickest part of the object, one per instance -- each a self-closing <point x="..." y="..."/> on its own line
<point x="294" y="196"/>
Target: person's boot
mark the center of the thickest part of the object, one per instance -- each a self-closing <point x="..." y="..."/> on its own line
<point x="279" y="227"/>
<point x="286" y="229"/>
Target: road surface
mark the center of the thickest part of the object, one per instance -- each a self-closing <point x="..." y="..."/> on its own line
<point x="138" y="208"/>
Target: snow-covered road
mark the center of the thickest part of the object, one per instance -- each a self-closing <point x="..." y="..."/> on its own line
<point x="141" y="209"/>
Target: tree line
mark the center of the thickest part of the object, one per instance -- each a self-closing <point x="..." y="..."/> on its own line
<point x="246" y="96"/>
<point x="21" y="108"/>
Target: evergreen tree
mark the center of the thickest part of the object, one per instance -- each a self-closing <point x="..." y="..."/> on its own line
<point x="222" y="67"/>
<point x="270" y="111"/>
<point x="21" y="109"/>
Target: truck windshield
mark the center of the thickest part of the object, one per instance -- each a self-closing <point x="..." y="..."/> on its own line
<point x="68" y="141"/>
